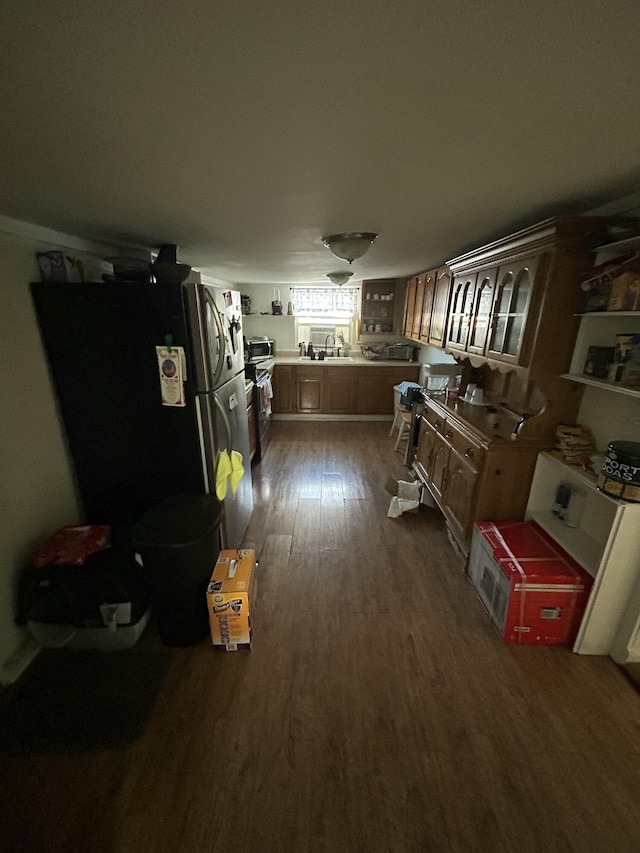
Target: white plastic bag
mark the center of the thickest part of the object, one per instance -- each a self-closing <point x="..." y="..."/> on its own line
<point x="407" y="497"/>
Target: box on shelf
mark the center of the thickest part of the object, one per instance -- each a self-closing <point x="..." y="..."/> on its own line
<point x="598" y="362"/>
<point x="534" y="591"/>
<point x="573" y="443"/>
<point x="625" y="292"/>
<point x="56" y="265"/>
<point x="625" y="370"/>
<point x="230" y="598"/>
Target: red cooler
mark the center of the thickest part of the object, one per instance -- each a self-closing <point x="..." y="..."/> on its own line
<point x="534" y="591"/>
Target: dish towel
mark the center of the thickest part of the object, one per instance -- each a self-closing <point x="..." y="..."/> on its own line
<point x="403" y="387"/>
<point x="237" y="470"/>
<point x="266" y="395"/>
<point x="229" y="467"/>
<point x="223" y="470"/>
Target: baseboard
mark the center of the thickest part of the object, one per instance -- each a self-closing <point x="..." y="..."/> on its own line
<point x="17" y="663"/>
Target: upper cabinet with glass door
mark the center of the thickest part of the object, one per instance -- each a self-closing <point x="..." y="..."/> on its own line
<point x="460" y="309"/>
<point x="510" y="308"/>
<point x="512" y="301"/>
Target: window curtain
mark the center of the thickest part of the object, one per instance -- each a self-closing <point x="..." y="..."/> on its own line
<point x="329" y="301"/>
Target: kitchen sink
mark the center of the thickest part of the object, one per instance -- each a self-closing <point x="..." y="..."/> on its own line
<point x="333" y="359"/>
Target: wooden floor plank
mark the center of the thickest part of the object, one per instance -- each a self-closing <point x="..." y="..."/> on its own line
<point x="378" y="710"/>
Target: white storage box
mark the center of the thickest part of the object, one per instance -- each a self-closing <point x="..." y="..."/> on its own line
<point x="439" y="377"/>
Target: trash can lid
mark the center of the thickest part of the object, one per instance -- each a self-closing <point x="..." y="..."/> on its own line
<point x="178" y="521"/>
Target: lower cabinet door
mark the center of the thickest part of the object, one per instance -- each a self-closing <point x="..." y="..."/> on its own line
<point x="439" y="462"/>
<point x="309" y="393"/>
<point x="283" y="396"/>
<point x="422" y="461"/>
<point x="458" y="497"/>
<point x="368" y="398"/>
<point x="339" y="391"/>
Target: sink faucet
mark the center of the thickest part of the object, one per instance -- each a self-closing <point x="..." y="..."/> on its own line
<point x="326" y="342"/>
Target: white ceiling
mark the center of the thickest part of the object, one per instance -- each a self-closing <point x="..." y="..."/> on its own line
<point x="243" y="131"/>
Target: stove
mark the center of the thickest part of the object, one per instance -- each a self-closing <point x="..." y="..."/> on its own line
<point x="260" y="371"/>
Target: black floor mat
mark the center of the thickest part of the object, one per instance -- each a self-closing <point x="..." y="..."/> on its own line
<point x="78" y="701"/>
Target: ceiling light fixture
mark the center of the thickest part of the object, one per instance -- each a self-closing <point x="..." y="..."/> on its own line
<point x="339" y="278"/>
<point x="349" y="245"/>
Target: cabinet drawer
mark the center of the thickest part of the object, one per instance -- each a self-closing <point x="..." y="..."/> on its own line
<point x="436" y="420"/>
<point x="466" y="446"/>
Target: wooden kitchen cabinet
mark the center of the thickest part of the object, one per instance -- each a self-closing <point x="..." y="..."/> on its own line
<point x="472" y="467"/>
<point x="513" y="300"/>
<point x="309" y="386"/>
<point x="320" y="388"/>
<point x="508" y="318"/>
<point x="340" y="383"/>
<point x="418" y="308"/>
<point x="462" y="293"/>
<point x="439" y="308"/>
<point x="378" y="312"/>
<point x="512" y="318"/>
<point x="458" y="495"/>
<point x="427" y="305"/>
<point x="409" y="305"/>
<point x="420" y="301"/>
<point x="481" y="311"/>
<point x="374" y="387"/>
<point x="283" y="389"/>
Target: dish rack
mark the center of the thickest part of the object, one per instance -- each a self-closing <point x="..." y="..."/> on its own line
<point x="373" y="351"/>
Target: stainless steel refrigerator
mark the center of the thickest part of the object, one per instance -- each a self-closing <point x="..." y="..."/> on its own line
<point x="130" y="451"/>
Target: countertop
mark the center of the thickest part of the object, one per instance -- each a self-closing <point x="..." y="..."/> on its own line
<point x="354" y="361"/>
<point x="493" y="422"/>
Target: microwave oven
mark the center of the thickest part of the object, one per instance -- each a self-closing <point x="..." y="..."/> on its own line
<point x="263" y="348"/>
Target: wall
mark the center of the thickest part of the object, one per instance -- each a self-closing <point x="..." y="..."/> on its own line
<point x="37" y="490"/>
<point x="38" y="493"/>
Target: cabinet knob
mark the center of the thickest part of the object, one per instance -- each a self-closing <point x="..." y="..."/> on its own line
<point x="469" y="453"/>
<point x="437" y="424"/>
<point x="448" y="434"/>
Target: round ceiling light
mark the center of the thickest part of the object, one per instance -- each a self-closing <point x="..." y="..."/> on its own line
<point x="339" y="278"/>
<point x="349" y="245"/>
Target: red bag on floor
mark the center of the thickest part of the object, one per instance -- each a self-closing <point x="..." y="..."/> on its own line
<point x="72" y="545"/>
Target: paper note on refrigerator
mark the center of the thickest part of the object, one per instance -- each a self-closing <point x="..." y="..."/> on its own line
<point x="171" y="371"/>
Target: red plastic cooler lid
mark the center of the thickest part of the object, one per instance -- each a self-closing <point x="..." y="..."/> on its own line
<point x="525" y="553"/>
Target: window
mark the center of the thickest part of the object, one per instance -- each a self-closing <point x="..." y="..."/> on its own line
<point x="322" y="311"/>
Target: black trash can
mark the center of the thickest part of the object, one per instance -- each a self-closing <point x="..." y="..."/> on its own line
<point x="179" y="543"/>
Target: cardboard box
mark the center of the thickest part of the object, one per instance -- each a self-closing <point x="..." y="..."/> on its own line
<point x="230" y="599"/>
<point x="56" y="265"/>
<point x="598" y="362"/>
<point x="625" y="292"/>
<point x="626" y="361"/>
<point x="534" y="591"/>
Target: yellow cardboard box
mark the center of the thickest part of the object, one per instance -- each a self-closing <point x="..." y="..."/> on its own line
<point x="229" y="599"/>
<point x="625" y="292"/>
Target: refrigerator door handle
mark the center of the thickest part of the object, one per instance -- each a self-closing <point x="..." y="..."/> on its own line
<point x="222" y="347"/>
<point x="225" y="420"/>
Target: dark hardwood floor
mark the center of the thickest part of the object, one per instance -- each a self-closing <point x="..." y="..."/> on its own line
<point x="377" y="712"/>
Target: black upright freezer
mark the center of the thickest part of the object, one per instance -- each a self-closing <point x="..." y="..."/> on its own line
<point x="130" y="451"/>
